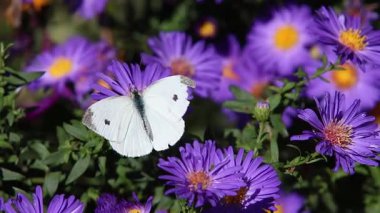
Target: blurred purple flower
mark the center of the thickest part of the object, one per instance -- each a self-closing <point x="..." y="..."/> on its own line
<point x="199" y="176"/>
<point x="288" y="116"/>
<point x="59" y="204"/>
<point x="253" y="79"/>
<point x="88" y="9"/>
<point x="357" y="8"/>
<point x="281" y="45"/>
<point x="85" y="81"/>
<point x="71" y="67"/>
<point x="290" y="203"/>
<point x="347" y="134"/>
<point x="229" y="75"/>
<point x="127" y="78"/>
<point x="349" y="80"/>
<point x="348" y="39"/>
<point x="175" y="50"/>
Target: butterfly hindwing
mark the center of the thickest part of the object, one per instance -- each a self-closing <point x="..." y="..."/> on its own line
<point x="165" y="103"/>
<point x="136" y="141"/>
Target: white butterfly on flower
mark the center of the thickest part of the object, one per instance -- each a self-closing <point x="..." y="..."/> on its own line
<point x="141" y="110"/>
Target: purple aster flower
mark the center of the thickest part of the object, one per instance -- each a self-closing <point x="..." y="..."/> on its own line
<point x="59" y="204"/>
<point x="199" y="176"/>
<point x="345" y="133"/>
<point x="176" y="51"/>
<point x="349" y="80"/>
<point x="64" y="63"/>
<point x="281" y="45"/>
<point x="347" y="38"/>
<point x="137" y="206"/>
<point x="261" y="180"/>
<point x="290" y="203"/>
<point x="127" y="77"/>
<point x="108" y="203"/>
<point x="229" y="75"/>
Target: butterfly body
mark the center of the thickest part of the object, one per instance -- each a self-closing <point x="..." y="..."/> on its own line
<point x="143" y="120"/>
<point x="139" y="104"/>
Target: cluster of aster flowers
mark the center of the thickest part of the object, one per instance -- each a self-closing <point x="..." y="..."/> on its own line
<point x="58" y="204"/>
<point x="223" y="179"/>
<point x="205" y="174"/>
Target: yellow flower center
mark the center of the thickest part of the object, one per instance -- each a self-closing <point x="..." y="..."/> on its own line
<point x="315" y="52"/>
<point x="133" y="211"/>
<point x="207" y="29"/>
<point x="338" y="134"/>
<point x="345" y="77"/>
<point x="61" y="67"/>
<point x="286" y="37"/>
<point x="353" y="39"/>
<point x="181" y="66"/>
<point x="198" y="179"/>
<point x="228" y="71"/>
<point x="238" y="198"/>
<point x="258" y="89"/>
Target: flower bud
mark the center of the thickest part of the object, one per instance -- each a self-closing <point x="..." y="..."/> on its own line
<point x="261" y="111"/>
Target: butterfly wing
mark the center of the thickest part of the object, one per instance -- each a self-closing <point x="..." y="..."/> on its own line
<point x="165" y="103"/>
<point x="116" y="119"/>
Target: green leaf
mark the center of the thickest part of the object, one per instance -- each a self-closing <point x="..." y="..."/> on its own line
<point x="21" y="78"/>
<point x="9" y="175"/>
<point x="274" y="101"/>
<point x="78" y="131"/>
<point x="57" y="158"/>
<point x="51" y="182"/>
<point x="42" y="151"/>
<point x="274" y="147"/>
<point x="78" y="169"/>
<point x="241" y="94"/>
<point x="288" y="86"/>
<point x="102" y="164"/>
<point x="240" y="106"/>
<point x="62" y="135"/>
<point x="276" y="121"/>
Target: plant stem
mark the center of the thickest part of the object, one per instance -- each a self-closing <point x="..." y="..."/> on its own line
<point x="259" y="139"/>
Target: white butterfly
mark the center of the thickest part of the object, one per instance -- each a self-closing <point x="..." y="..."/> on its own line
<point x="140" y="122"/>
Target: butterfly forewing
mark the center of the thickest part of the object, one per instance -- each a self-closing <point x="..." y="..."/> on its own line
<point x="165" y="103"/>
<point x="109" y="117"/>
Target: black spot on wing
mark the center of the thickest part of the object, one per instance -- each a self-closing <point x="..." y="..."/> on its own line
<point x="175" y="97"/>
<point x="107" y="122"/>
